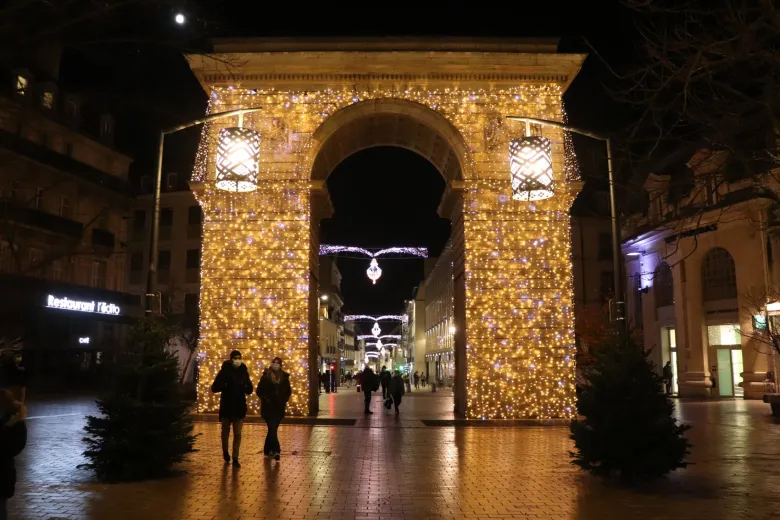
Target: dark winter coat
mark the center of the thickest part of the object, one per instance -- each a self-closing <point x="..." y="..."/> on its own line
<point x="234" y="385"/>
<point x="273" y="396"/>
<point x="397" y="388"/>
<point x="13" y="438"/>
<point x="369" y="381"/>
<point x="384" y="377"/>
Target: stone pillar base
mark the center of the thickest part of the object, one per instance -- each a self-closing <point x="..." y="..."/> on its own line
<point x="754" y="384"/>
<point x="695" y="384"/>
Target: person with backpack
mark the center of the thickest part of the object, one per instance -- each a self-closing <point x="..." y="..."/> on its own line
<point x="274" y="391"/>
<point x="370" y="383"/>
<point x="233" y="385"/>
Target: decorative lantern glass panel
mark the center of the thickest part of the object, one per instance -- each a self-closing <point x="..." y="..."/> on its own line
<point x="530" y="166"/>
<point x="238" y="159"/>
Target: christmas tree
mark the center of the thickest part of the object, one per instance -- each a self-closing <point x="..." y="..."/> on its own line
<point x="627" y="429"/>
<point x="145" y="428"/>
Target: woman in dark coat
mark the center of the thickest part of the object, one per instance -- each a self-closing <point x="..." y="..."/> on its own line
<point x="13" y="437"/>
<point x="397" y="389"/>
<point x="274" y="391"/>
<point x="234" y="385"/>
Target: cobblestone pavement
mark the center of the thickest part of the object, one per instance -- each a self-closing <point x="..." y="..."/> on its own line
<point x="378" y="471"/>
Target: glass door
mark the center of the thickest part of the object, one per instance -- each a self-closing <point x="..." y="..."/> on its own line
<point x="725" y="373"/>
<point x="736" y="370"/>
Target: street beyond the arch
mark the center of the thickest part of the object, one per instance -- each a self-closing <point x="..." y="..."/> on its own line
<point x="397" y="467"/>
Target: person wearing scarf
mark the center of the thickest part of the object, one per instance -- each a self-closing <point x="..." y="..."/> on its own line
<point x="274" y="391"/>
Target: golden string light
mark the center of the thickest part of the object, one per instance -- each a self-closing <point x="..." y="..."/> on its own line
<point x="255" y="282"/>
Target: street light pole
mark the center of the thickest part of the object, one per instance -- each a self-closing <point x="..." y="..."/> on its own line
<point x="620" y="317"/>
<point x="154" y="236"/>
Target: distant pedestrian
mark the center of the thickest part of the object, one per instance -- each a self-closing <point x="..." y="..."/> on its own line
<point x="13" y="438"/>
<point x="384" y="377"/>
<point x="713" y="377"/>
<point x="369" y="382"/>
<point x="274" y="391"/>
<point x="233" y="385"/>
<point x="326" y="381"/>
<point x="14" y="376"/>
<point x="667" y="377"/>
<point x="407" y="381"/>
<point x="397" y="389"/>
<point x="358" y="381"/>
<point x="416" y="380"/>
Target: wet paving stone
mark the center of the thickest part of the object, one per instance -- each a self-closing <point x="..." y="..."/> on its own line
<point x="385" y="467"/>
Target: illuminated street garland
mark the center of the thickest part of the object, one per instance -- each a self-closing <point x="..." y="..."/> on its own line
<point x="403" y="318"/>
<point x="374" y="271"/>
<point x="383" y="336"/>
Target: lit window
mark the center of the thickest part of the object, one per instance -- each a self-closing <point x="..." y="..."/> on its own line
<point x="724" y="334"/>
<point x="21" y="85"/>
<point x="47" y="100"/>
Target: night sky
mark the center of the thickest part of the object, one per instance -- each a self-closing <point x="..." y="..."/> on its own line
<point x="382" y="197"/>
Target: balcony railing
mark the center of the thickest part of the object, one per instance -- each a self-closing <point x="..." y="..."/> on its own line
<point x="15" y="212"/>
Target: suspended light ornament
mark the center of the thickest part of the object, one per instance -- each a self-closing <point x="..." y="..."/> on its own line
<point x="238" y="159"/>
<point x="375" y="330"/>
<point x="403" y="318"/>
<point x="374" y="271"/>
<point x="530" y="167"/>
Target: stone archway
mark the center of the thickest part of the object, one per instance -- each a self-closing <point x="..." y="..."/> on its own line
<point x="446" y="101"/>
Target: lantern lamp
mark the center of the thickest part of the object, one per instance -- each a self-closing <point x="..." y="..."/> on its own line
<point x="530" y="166"/>
<point x="238" y="159"/>
<point x="374" y="271"/>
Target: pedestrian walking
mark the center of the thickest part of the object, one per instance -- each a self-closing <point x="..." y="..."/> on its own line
<point x="369" y="383"/>
<point x="13" y="438"/>
<point x="667" y="377"/>
<point x="326" y="380"/>
<point x="397" y="389"/>
<point x="416" y="380"/>
<point x="14" y="376"/>
<point x="713" y="377"/>
<point x="384" y="377"/>
<point x="274" y="391"/>
<point x="233" y="385"/>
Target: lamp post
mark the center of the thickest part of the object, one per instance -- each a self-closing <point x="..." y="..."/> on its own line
<point x="618" y="312"/>
<point x="237" y="151"/>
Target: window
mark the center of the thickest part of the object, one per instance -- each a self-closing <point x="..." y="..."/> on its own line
<point x="6" y="257"/>
<point x="193" y="258"/>
<point x="57" y="270"/>
<point x="170" y="181"/>
<point x="663" y="285"/>
<point x="605" y="246"/>
<point x="38" y="200"/>
<point x="724" y="334"/>
<point x="35" y="258"/>
<point x="195" y="215"/>
<point x="719" y="279"/>
<point x="164" y="260"/>
<point x="65" y="207"/>
<point x="137" y="261"/>
<point x="99" y="270"/>
<point x="22" y="85"/>
<point x="139" y="219"/>
<point x="166" y="217"/>
<point x="191" y="301"/>
<point x="47" y="100"/>
<point x="72" y="109"/>
<point x="606" y="284"/>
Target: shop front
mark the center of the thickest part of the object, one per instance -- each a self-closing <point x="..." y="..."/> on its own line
<point x="69" y="332"/>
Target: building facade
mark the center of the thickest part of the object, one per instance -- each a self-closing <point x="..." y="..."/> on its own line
<point x="699" y="267"/>
<point x="64" y="199"/>
<point x="440" y="329"/>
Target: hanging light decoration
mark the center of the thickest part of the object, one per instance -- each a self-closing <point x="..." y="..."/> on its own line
<point x="375" y="330"/>
<point x="373" y="271"/>
<point x="238" y="159"/>
<point x="530" y="167"/>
